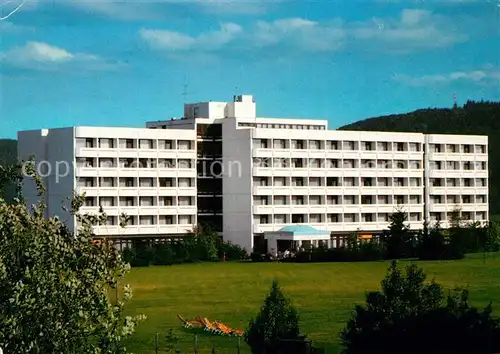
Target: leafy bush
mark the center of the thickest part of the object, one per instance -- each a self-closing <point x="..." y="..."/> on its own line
<point x="435" y="244"/>
<point x="128" y="255"/>
<point x="277" y="320"/>
<point x="201" y="244"/>
<point x="256" y="257"/>
<point x="143" y="254"/>
<point x="163" y="254"/>
<point x="492" y="236"/>
<point x="231" y="251"/>
<point x="55" y="284"/>
<point x="408" y="316"/>
<point x="369" y="251"/>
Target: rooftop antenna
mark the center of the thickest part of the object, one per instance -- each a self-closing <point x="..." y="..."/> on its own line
<point x="185" y="92"/>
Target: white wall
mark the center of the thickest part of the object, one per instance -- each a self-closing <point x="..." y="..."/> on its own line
<point x="415" y="209"/>
<point x="214" y="110"/>
<point x="156" y="211"/>
<point x="453" y="169"/>
<point x="53" y="150"/>
<point x="60" y="145"/>
<point x="237" y="188"/>
<point x="31" y="144"/>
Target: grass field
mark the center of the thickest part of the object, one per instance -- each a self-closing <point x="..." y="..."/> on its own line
<point x="324" y="294"/>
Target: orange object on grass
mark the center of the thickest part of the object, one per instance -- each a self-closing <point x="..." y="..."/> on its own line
<point x="223" y="328"/>
<point x="238" y="332"/>
<point x="187" y="323"/>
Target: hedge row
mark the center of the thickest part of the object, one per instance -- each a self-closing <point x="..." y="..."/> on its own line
<point x="143" y="253"/>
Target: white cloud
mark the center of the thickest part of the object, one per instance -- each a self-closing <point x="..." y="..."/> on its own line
<point x="42" y="56"/>
<point x="235" y="7"/>
<point x="121" y="10"/>
<point x="176" y="41"/>
<point x="299" y="33"/>
<point x="296" y="33"/>
<point x="486" y="76"/>
<point x="413" y="30"/>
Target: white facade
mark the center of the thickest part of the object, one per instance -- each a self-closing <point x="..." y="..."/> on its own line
<point x="276" y="172"/>
<point x="147" y="174"/>
<point x="457" y="177"/>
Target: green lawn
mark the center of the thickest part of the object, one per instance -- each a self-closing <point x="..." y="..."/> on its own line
<point x="324" y="294"/>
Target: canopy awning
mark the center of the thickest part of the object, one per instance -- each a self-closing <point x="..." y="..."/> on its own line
<point x="298" y="233"/>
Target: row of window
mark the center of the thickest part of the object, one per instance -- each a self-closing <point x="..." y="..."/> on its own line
<point x="338" y="181"/>
<point x="110" y="162"/>
<point x="365" y="182"/>
<point x="186" y="182"/>
<point x="263" y="219"/>
<point x="458" y="165"/>
<point x="135" y="201"/>
<point x="134" y="182"/>
<point x="144" y="220"/>
<point x="147" y="144"/>
<point x="357" y="218"/>
<point x="458" y="148"/>
<point x="458" y="182"/>
<point x="465" y="215"/>
<point x="336" y="199"/>
<point x="456" y="199"/>
<point x="349" y="145"/>
<point x="283" y="162"/>
<point x="365" y="199"/>
<point x="282" y="126"/>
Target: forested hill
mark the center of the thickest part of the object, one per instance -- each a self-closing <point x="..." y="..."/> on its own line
<point x="475" y="118"/>
<point x="8" y="154"/>
<point x="8" y="150"/>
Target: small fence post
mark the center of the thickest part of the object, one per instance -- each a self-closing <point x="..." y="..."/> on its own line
<point x="238" y="347"/>
<point x="156" y="343"/>
<point x="214" y="351"/>
<point x="195" y="344"/>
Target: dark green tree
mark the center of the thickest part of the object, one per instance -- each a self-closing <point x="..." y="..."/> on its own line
<point x="277" y="320"/>
<point x="398" y="240"/>
<point x="8" y="158"/>
<point x="202" y="242"/>
<point x="408" y="316"/>
<point x="432" y="243"/>
<point x="492" y="242"/>
<point x="461" y="238"/>
<point x="352" y="241"/>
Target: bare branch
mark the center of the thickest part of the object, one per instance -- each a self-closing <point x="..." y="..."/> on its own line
<point x="13" y="11"/>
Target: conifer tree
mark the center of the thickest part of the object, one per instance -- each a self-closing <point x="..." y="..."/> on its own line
<point x="277" y="320"/>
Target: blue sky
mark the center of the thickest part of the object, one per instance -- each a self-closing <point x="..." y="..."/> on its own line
<point x="122" y="63"/>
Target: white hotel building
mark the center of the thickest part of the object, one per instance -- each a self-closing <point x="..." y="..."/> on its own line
<point x="252" y="176"/>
